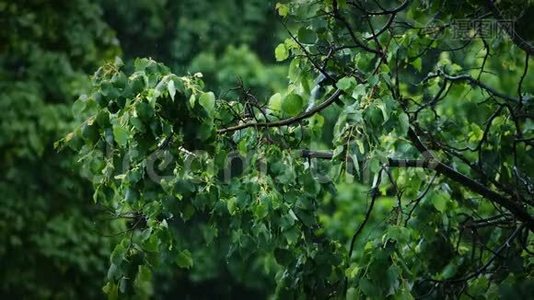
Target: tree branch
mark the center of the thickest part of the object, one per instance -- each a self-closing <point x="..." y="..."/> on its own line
<point x="288" y="121"/>
<point x="374" y="194"/>
<point x="447" y="171"/>
<point x="472" y="81"/>
<point x="508" y="203"/>
<point x="338" y="16"/>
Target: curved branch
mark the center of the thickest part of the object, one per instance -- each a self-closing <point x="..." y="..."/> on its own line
<point x="338" y="16"/>
<point x="515" y="208"/>
<point x="288" y="121"/>
<point x="445" y="170"/>
<point x="384" y="10"/>
<point x="374" y="194"/>
<point x="472" y="81"/>
<point x="496" y="253"/>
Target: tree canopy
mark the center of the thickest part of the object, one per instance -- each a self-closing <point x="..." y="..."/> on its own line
<point x="388" y="153"/>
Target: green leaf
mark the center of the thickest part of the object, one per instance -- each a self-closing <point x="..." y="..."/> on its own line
<point x="143" y="280"/>
<point x="374" y="164"/>
<point x="207" y="100"/>
<point x="449" y="271"/>
<point x="292" y="104"/>
<point x="192" y="100"/>
<point x="282" y="9"/>
<point x="184" y="259"/>
<point x="152" y="243"/>
<point x="338" y="151"/>
<point x="294" y="70"/>
<point x="137" y="82"/>
<point x="261" y="210"/>
<point x="140" y="64"/>
<point x="90" y="132"/>
<point x="478" y="286"/>
<point x="352" y="271"/>
<point x="417" y="64"/>
<point x="403" y="294"/>
<point x="171" y="88"/>
<point x="231" y="205"/>
<point x="292" y="235"/>
<point x="281" y="53"/>
<point x="118" y="62"/>
<point x="361" y="146"/>
<point x="109" y="91"/>
<point x="358" y="91"/>
<point x="111" y="290"/>
<point x="440" y="201"/>
<point x="392" y="279"/>
<point x="307" y="217"/>
<point x="346" y="83"/>
<point x="205" y="131"/>
<point x="123" y="285"/>
<point x="131" y="195"/>
<point x="275" y="102"/>
<point x="404" y="124"/>
<point x="307" y="36"/>
<point x="78" y="106"/>
<point x="121" y="135"/>
<point x="368" y="288"/>
<point x="138" y="124"/>
<point x="374" y="116"/>
<point x="356" y="165"/>
<point x="118" y="254"/>
<point x="398" y="233"/>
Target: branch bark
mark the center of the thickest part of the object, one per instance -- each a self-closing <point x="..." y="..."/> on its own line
<point x="445" y="170"/>
<point x="288" y="121"/>
<point x="508" y="203"/>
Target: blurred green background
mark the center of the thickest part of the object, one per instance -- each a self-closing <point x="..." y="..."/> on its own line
<point x="54" y="241"/>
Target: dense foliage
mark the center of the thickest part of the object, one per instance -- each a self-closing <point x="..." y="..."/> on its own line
<point x="395" y="160"/>
<point x="225" y="40"/>
<point x="55" y="242"/>
<point x="49" y="246"/>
